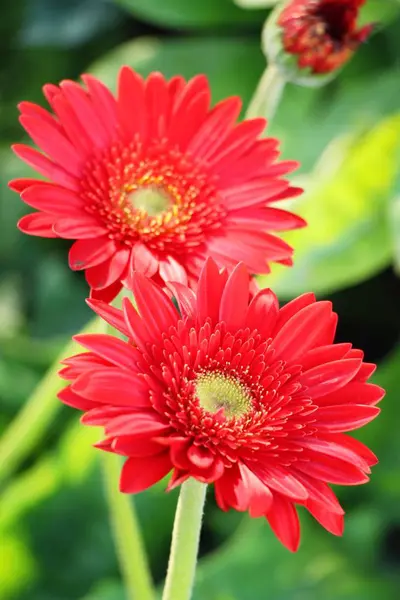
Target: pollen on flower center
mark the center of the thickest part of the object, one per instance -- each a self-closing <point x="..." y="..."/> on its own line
<point x="216" y="391"/>
<point x="153" y="194"/>
<point x="151" y="199"/>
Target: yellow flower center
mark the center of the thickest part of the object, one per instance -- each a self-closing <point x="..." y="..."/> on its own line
<point x="151" y="199"/>
<point x="216" y="391"/>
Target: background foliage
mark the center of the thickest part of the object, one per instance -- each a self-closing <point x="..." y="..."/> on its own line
<point x="55" y="538"/>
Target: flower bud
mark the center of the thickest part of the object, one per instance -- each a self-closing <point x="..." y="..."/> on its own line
<point x="311" y="39"/>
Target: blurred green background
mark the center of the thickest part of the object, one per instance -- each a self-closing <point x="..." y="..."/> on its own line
<point x="55" y="537"/>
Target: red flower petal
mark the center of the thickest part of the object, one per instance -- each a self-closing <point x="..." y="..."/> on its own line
<point x="154" y="305"/>
<point x="45" y="166"/>
<point x="131" y="86"/>
<point x="110" y="348"/>
<point x="138" y="474"/>
<point x="345" y="418"/>
<point x="103" y="275"/>
<point x="263" y="312"/>
<point x="354" y="392"/>
<point x="302" y="332"/>
<point x="215" y="128"/>
<point x="327" y="378"/>
<point x="68" y="397"/>
<point x="209" y="292"/>
<point x="53" y="199"/>
<point x="186" y="299"/>
<point x="331" y="469"/>
<point x="136" y="446"/>
<point x="107" y="294"/>
<point x="171" y="270"/>
<point x="332" y="522"/>
<point x="146" y="424"/>
<point x="52" y="142"/>
<point x="284" y="522"/>
<point x="280" y="480"/>
<point x="260" y="495"/>
<point x="231" y="491"/>
<point x="113" y="316"/>
<point x="71" y="228"/>
<point x="111" y="386"/>
<point x="90" y="253"/>
<point x="39" y="224"/>
<point x="143" y="260"/>
<point x="293" y="307"/>
<point x="235" y="299"/>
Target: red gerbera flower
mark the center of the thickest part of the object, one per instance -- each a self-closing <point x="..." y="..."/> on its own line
<point x="323" y="33"/>
<point x="248" y="396"/>
<point x="153" y="180"/>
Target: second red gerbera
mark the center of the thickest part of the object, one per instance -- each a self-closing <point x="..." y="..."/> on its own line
<point x="254" y="398"/>
<point x="154" y="180"/>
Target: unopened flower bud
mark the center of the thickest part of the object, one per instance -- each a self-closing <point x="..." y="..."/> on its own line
<point x="311" y="39"/>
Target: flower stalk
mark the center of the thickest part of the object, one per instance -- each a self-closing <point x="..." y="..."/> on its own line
<point x="126" y="533"/>
<point x="185" y="541"/>
<point x="268" y="93"/>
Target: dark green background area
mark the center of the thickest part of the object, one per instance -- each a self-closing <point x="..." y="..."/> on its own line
<point x="55" y="537"/>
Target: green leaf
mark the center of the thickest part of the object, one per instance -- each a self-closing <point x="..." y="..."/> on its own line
<point x="221" y="59"/>
<point x="379" y="11"/>
<point x="255" y="3"/>
<point x="66" y="22"/>
<point x="106" y="590"/>
<point x="42" y="481"/>
<point x="255" y="565"/>
<point x="17" y="566"/>
<point x="347" y="239"/>
<point x="308" y="120"/>
<point x="182" y="14"/>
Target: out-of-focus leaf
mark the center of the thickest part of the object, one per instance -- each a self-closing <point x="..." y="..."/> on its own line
<point x="379" y="11"/>
<point x="57" y="291"/>
<point x="66" y="22"/>
<point x="35" y="354"/>
<point x="13" y="396"/>
<point x="221" y="59"/>
<point x="28" y="490"/>
<point x="394" y="221"/>
<point x="255" y="3"/>
<point x="106" y="590"/>
<point x="11" y="207"/>
<point x="347" y="238"/>
<point x="382" y="433"/>
<point x="17" y="566"/>
<point x="181" y="14"/>
<point x="308" y="120"/>
<point x="10" y="307"/>
<point x="77" y="455"/>
<point x="254" y="565"/>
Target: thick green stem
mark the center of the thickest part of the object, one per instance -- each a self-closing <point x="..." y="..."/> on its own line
<point x="185" y="541"/>
<point x="127" y="536"/>
<point x="31" y="423"/>
<point x="267" y="95"/>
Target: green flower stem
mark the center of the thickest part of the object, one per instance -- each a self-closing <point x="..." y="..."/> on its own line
<point x="127" y="536"/>
<point x="33" y="420"/>
<point x="185" y="541"/>
<point x="267" y="95"/>
<point x="128" y="539"/>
